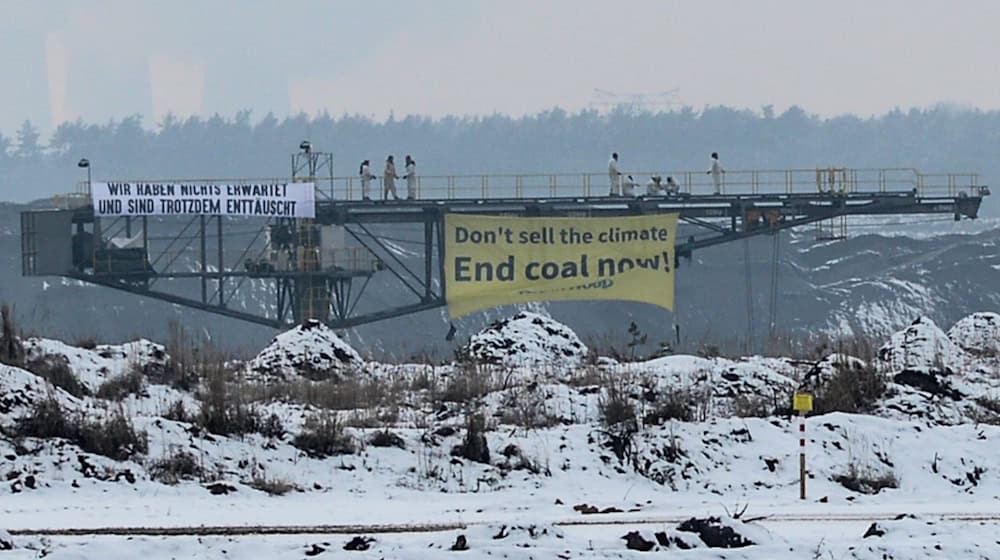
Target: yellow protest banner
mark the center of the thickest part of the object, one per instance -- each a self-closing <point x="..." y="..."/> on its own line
<point x="493" y="260"/>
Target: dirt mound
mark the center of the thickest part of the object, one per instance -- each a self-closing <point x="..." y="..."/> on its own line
<point x="93" y="366"/>
<point x="527" y="340"/>
<point x="978" y="334"/>
<point x="724" y="532"/>
<point x="922" y="347"/>
<point x="311" y="350"/>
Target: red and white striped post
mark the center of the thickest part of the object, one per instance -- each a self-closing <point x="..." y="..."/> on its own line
<point x="802" y="403"/>
<point x="802" y="454"/>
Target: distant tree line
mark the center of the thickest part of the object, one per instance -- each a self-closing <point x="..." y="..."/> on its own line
<point x="941" y="138"/>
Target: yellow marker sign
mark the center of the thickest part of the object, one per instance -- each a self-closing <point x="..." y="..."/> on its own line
<point x="803" y="402"/>
<point x="491" y="261"/>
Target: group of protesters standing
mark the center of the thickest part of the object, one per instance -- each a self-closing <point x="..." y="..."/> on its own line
<point x="623" y="184"/>
<point x="389" y="177"/>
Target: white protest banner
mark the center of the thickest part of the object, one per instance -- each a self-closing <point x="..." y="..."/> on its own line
<point x="267" y="200"/>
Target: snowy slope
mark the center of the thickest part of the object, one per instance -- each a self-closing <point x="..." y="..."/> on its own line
<point x="95" y="366"/>
<point x="695" y="447"/>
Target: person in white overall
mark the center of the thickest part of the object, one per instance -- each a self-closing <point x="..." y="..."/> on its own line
<point x="716" y="171"/>
<point x="365" y="172"/>
<point x="614" y="175"/>
<point x="654" y="187"/>
<point x="389" y="180"/>
<point x="672" y="187"/>
<point x="628" y="187"/>
<point x="411" y="178"/>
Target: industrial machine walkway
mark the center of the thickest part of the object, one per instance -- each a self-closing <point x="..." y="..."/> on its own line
<point x="321" y="268"/>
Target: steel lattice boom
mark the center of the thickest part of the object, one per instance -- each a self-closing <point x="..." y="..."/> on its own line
<point x="284" y="271"/>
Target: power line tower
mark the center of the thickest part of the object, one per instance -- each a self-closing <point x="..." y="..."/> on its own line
<point x="604" y="100"/>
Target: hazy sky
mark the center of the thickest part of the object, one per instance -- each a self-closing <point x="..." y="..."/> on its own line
<point x="102" y="59"/>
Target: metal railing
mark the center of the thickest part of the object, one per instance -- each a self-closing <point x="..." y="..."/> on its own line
<point x="568" y="185"/>
<point x="733" y="182"/>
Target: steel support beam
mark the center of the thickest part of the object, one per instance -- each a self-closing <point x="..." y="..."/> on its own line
<point x="222" y="263"/>
<point x="725" y="216"/>
<point x="204" y="261"/>
<point x="179" y="300"/>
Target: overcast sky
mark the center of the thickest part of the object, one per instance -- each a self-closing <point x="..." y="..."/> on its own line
<point x="102" y="59"/>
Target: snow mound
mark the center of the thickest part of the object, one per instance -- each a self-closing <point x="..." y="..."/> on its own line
<point x="924" y="348"/>
<point x="911" y="536"/>
<point x="95" y="366"/>
<point x="6" y="541"/>
<point x="525" y="340"/>
<point x="978" y="334"/>
<point x="310" y="350"/>
<point x="720" y="383"/>
<point x="20" y="390"/>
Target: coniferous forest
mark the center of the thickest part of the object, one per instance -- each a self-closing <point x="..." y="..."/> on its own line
<point x="250" y="145"/>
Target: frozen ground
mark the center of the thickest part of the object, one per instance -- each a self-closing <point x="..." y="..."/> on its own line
<point x="559" y="477"/>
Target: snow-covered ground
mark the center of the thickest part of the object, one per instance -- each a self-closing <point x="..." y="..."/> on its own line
<point x="577" y="452"/>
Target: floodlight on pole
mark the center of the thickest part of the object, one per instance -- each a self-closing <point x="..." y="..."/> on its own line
<point x="85" y="163"/>
<point x="305" y="146"/>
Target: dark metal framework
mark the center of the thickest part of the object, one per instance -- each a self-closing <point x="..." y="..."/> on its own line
<point x="334" y="294"/>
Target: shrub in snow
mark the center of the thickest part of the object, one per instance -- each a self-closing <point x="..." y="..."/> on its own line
<point x="866" y="479"/>
<point x="179" y="465"/>
<point x="47" y="420"/>
<point x="310" y="350"/>
<point x="474" y="447"/>
<point x="385" y="438"/>
<point x="224" y="409"/>
<point x="323" y="435"/>
<point x="117" y="388"/>
<point x="870" y="466"/>
<point x="528" y="406"/>
<point x="978" y="334"/>
<point x="468" y="383"/>
<point x="844" y="384"/>
<point x="820" y="374"/>
<point x="112" y="436"/>
<point x="670" y="404"/>
<point x="272" y="486"/>
<point x="617" y="410"/>
<point x="55" y="370"/>
<point x="11" y="350"/>
<point x="526" y="339"/>
<point x="922" y="347"/>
